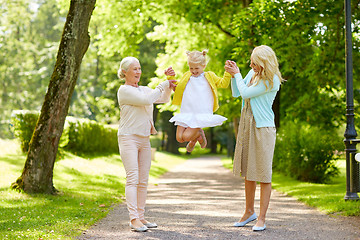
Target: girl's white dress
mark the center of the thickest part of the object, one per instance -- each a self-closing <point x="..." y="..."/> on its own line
<point x="197" y="105"/>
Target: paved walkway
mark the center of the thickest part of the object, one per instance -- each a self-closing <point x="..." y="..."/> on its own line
<point x="200" y="199"/>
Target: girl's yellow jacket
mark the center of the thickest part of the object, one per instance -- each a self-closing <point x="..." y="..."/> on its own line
<point x="214" y="81"/>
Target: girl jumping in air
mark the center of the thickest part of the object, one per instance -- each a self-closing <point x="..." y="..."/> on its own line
<point x="196" y="93"/>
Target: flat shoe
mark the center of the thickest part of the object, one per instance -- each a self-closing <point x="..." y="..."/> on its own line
<point x="150" y="225"/>
<point x="204" y="143"/>
<point x="255" y="228"/>
<point x="243" y="223"/>
<point x="189" y="148"/>
<point x="140" y="229"/>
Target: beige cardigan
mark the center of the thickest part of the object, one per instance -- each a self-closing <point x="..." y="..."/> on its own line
<point x="136" y="108"/>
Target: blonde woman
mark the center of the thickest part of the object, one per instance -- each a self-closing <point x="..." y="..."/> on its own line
<point x="136" y="125"/>
<point x="256" y="136"/>
<point x="196" y="93"/>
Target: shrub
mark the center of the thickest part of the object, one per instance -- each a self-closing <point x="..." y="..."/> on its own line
<point x="24" y="123"/>
<point x="91" y="137"/>
<point x="155" y="142"/>
<point x="306" y="153"/>
<point x="78" y="136"/>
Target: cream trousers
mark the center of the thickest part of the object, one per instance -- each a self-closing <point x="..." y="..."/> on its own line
<point x="135" y="152"/>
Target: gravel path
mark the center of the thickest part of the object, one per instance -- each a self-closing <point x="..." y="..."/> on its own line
<point x="200" y="199"/>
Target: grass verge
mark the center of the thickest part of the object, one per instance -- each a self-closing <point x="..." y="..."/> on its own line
<point x="89" y="188"/>
<point x="328" y="198"/>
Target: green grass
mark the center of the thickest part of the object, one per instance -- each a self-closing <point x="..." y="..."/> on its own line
<point x="89" y="188"/>
<point x="328" y="198"/>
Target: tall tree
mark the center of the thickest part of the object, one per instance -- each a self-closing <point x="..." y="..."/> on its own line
<point x="30" y="32"/>
<point x="37" y="175"/>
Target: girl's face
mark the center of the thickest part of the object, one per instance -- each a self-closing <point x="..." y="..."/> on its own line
<point x="133" y="74"/>
<point x="255" y="67"/>
<point x="196" y="69"/>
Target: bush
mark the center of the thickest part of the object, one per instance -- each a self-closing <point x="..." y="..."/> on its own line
<point x="91" y="137"/>
<point x="78" y="136"/>
<point x="24" y="123"/>
<point x="155" y="142"/>
<point x="306" y="153"/>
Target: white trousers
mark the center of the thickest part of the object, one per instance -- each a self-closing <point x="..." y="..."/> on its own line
<point x="135" y="152"/>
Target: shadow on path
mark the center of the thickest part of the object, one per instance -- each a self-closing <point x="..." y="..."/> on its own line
<point x="200" y="199"/>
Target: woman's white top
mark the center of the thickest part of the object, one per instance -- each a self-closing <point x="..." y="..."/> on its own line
<point x="197" y="105"/>
<point x="136" y="108"/>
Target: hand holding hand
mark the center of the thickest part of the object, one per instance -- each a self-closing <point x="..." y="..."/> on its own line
<point x="169" y="72"/>
<point x="231" y="67"/>
<point x="172" y="84"/>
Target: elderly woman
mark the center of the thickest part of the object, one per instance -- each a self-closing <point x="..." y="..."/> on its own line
<point x="136" y="125"/>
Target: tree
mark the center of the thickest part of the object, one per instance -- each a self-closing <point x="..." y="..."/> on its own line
<point x="30" y="33"/>
<point x="37" y="175"/>
<point x="308" y="39"/>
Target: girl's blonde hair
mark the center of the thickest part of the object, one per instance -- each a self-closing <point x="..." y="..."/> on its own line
<point x="125" y="64"/>
<point x="197" y="57"/>
<point x="265" y="57"/>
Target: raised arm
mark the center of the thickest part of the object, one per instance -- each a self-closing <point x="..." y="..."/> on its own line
<point x="253" y="90"/>
<point x="132" y="96"/>
<point x="222" y="82"/>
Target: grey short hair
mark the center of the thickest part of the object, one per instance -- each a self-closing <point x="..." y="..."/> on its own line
<point x="125" y="64"/>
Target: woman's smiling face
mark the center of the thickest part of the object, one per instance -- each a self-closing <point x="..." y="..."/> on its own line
<point x="133" y="74"/>
<point x="255" y="67"/>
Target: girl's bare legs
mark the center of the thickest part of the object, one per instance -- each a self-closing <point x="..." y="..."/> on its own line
<point x="265" y="193"/>
<point x="191" y="135"/>
<point x="179" y="133"/>
<point x="250" y="187"/>
<point x="194" y="135"/>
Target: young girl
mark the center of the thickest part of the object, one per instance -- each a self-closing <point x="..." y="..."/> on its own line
<point x="256" y="136"/>
<point x="196" y="92"/>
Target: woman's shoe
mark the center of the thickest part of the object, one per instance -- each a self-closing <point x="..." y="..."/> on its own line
<point x="139" y="229"/>
<point x="243" y="223"/>
<point x="255" y="228"/>
<point x="150" y="225"/>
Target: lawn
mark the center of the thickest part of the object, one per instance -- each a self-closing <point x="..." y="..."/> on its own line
<point x="328" y="198"/>
<point x="89" y="188"/>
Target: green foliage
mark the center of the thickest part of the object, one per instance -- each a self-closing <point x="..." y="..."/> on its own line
<point x="24" y="123"/>
<point x="91" y="137"/>
<point x="155" y="142"/>
<point x="308" y="39"/>
<point x="306" y="153"/>
<point x="80" y="136"/>
<point x="307" y="35"/>
<point x="29" y="35"/>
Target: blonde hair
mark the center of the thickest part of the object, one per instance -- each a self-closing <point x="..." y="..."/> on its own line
<point x="265" y="57"/>
<point x="197" y="57"/>
<point x="125" y="64"/>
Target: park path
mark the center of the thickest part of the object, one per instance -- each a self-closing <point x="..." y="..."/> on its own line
<point x="200" y="199"/>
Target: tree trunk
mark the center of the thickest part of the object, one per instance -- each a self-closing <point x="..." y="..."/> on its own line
<point x="276" y="109"/>
<point x="171" y="144"/>
<point x="213" y="142"/>
<point x="37" y="175"/>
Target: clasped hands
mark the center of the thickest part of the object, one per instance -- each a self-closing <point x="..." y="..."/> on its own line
<point x="171" y="72"/>
<point x="231" y="67"/>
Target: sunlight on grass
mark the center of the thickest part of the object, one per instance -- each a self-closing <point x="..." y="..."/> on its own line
<point x="328" y="198"/>
<point x="89" y="188"/>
